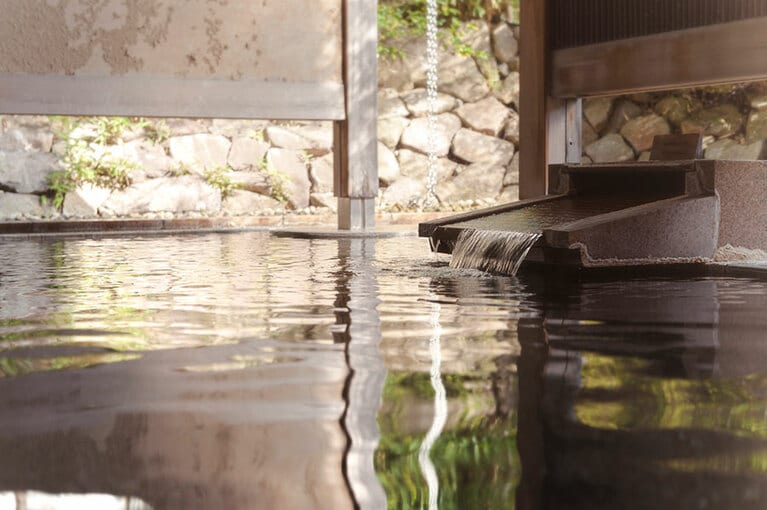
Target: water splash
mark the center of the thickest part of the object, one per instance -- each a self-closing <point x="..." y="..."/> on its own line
<point x="492" y="251"/>
<point x="432" y="83"/>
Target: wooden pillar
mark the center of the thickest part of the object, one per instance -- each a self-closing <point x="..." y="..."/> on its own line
<point x="355" y="138"/>
<point x="532" y="105"/>
<point x="549" y="127"/>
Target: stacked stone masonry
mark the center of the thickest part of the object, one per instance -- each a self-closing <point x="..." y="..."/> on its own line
<point x="236" y="167"/>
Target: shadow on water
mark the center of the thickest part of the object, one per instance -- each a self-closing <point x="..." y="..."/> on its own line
<point x="323" y="374"/>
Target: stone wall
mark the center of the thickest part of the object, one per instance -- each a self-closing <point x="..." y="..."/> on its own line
<point x="732" y="120"/>
<point x="223" y="167"/>
<point x="174" y="166"/>
<point x="478" y="123"/>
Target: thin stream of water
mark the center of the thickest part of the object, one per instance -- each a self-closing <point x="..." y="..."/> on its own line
<point x="432" y="83"/>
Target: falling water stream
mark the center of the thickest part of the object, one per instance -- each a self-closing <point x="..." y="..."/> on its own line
<point x="435" y="349"/>
<point x="492" y="251"/>
<point x="432" y="82"/>
<point x="500" y="252"/>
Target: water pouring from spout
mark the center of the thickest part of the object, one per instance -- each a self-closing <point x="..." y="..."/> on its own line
<point x="492" y="251"/>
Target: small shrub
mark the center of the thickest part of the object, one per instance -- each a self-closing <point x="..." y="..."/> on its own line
<point x="219" y="179"/>
<point x="158" y="132"/>
<point x="178" y="170"/>
<point x="257" y="135"/>
<point x="80" y="162"/>
<point x="109" y="130"/>
<point x="81" y="166"/>
<point x="278" y="182"/>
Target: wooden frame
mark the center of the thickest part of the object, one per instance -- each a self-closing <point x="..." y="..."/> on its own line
<point x="553" y="82"/>
<point x="169" y="97"/>
<point x="535" y="103"/>
<point x="724" y="53"/>
<point x="128" y="61"/>
<point x="356" y="140"/>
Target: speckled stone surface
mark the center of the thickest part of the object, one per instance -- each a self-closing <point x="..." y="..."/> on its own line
<point x="742" y="189"/>
<point x="716" y="203"/>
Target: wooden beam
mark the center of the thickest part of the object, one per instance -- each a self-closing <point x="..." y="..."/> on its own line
<point x="532" y="108"/>
<point x="543" y="119"/>
<point x="147" y="96"/>
<point x="723" y="53"/>
<point x="356" y="141"/>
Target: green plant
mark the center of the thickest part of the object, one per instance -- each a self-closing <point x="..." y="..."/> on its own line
<point x="109" y="130"/>
<point x="84" y="163"/>
<point x="278" y="181"/>
<point x="392" y="24"/>
<point x="218" y="178"/>
<point x="158" y="131"/>
<point x="82" y="166"/>
<point x="403" y="18"/>
<point x="178" y="170"/>
<point x="257" y="135"/>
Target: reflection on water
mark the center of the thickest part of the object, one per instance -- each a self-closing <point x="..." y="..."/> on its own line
<point x="42" y="501"/>
<point x="440" y="411"/>
<point x="244" y="371"/>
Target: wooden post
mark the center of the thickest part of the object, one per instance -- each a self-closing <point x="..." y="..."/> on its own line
<point x="355" y="138"/>
<point x="547" y="125"/>
<point x="532" y="104"/>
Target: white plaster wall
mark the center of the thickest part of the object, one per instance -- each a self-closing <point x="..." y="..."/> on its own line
<point x="251" y="40"/>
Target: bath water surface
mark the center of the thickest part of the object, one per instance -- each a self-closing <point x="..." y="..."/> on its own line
<point x="244" y="371"/>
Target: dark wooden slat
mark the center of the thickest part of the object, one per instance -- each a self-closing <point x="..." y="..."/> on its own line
<point x="687" y="165"/>
<point x="724" y="53"/>
<point x="583" y="22"/>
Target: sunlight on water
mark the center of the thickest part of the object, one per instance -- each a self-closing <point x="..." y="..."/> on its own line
<point x="41" y="501"/>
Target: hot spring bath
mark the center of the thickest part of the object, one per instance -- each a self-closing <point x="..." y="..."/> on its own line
<point x="248" y="371"/>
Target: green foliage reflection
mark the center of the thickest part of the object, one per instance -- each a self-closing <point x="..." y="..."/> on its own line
<point x="475" y="457"/>
<point x="12" y="367"/>
<point x="619" y="393"/>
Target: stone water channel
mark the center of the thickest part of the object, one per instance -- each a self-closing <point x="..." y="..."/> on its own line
<point x="301" y="374"/>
